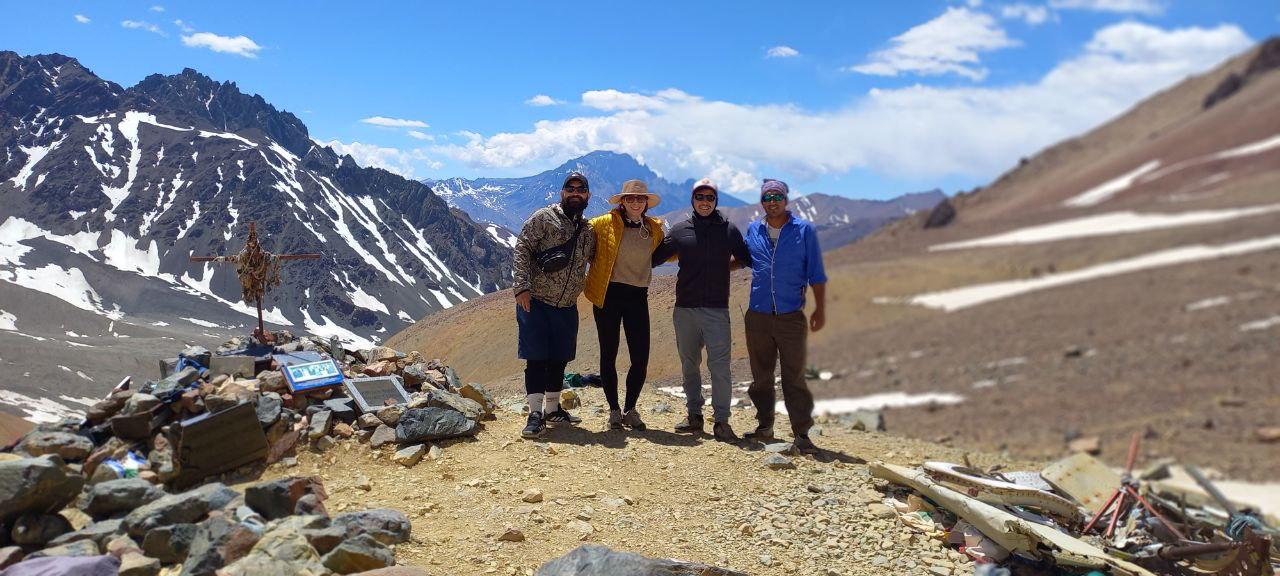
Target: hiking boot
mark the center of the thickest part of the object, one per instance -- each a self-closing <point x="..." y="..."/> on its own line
<point x="562" y="416"/>
<point x="691" y="424"/>
<point x="534" y="428"/>
<point x="723" y="432"/>
<point x="805" y="445"/>
<point x="762" y="433"/>
<point x="632" y="420"/>
<point x="615" y="419"/>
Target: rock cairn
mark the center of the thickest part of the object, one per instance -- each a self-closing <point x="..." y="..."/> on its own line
<point x="139" y="485"/>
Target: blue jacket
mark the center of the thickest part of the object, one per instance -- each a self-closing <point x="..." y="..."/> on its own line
<point x="779" y="276"/>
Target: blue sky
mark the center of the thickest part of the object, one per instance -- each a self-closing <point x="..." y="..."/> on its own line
<point x="864" y="99"/>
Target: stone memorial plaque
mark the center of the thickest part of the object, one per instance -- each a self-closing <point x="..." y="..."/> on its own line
<point x="312" y="375"/>
<point x="372" y="394"/>
<point x="215" y="442"/>
<point x="242" y="366"/>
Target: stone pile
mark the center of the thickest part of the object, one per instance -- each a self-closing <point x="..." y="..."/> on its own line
<point x="113" y="487"/>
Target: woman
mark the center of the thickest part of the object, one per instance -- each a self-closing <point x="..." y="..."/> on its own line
<point x="618" y="287"/>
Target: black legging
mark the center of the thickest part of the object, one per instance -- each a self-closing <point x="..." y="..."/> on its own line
<point x="628" y="306"/>
<point x="544" y="376"/>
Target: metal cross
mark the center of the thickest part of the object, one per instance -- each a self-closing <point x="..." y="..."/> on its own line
<point x="259" y="271"/>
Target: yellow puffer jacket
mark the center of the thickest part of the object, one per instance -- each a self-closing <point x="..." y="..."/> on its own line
<point x="608" y="231"/>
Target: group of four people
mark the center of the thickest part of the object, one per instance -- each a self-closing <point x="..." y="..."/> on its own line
<point x="610" y="258"/>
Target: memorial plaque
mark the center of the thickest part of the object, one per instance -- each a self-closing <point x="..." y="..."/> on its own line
<point x="215" y="442"/>
<point x="242" y="366"/>
<point x="312" y="375"/>
<point x="372" y="394"/>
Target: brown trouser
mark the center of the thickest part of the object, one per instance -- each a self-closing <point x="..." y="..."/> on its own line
<point x="771" y="338"/>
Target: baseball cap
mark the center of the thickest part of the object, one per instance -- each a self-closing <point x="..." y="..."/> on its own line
<point x="705" y="183"/>
<point x="576" y="176"/>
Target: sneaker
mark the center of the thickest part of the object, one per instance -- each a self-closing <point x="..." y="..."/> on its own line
<point x="562" y="416"/>
<point x="615" y="419"/>
<point x="805" y="445"/>
<point x="633" y="421"/>
<point x="691" y="424"/>
<point x="534" y="428"/>
<point x="762" y="433"/>
<point x="723" y="432"/>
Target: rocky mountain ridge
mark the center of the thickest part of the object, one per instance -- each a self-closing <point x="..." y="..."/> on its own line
<point x="106" y="191"/>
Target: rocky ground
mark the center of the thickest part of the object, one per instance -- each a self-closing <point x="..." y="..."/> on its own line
<point x="498" y="504"/>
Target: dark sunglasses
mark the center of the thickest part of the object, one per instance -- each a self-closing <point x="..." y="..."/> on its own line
<point x="773" y="198"/>
<point x="704" y="197"/>
<point x="576" y="189"/>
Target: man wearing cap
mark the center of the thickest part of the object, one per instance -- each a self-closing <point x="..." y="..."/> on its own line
<point x="551" y="255"/>
<point x="785" y="261"/>
<point x="704" y="245"/>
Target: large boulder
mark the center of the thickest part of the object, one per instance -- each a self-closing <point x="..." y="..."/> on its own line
<point x="185" y="508"/>
<point x="358" y="555"/>
<point x="217" y="542"/>
<point x="37" y="530"/>
<point x="275" y="499"/>
<point x="385" y="525"/>
<point x="36" y="485"/>
<point x="597" y="560"/>
<point x="72" y="447"/>
<point x="106" y="499"/>
<point x="433" y="423"/>
<point x="169" y="544"/>
<point x="442" y="399"/>
<point x="280" y="552"/>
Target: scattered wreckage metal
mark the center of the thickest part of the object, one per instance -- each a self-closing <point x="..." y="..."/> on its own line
<point x="1046" y="522"/>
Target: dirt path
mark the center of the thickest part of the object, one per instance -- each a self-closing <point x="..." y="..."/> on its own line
<point x="653" y="492"/>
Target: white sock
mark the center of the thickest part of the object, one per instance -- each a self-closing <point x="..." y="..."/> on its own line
<point x="535" y="403"/>
<point x="552" y="402"/>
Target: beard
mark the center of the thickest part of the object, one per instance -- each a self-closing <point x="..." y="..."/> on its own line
<point x="573" y="206"/>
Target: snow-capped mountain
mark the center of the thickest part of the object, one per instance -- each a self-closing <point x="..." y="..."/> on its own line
<point x="509" y="201"/>
<point x="105" y="192"/>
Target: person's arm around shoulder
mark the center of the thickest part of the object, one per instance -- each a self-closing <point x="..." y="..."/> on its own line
<point x="741" y="255"/>
<point x="666" y="250"/>
<point x="530" y="237"/>
<point x="816" y="276"/>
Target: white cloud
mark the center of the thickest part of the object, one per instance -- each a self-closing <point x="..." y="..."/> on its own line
<point x="238" y="45"/>
<point x="421" y="135"/>
<point x="157" y="8"/>
<point x="81" y="18"/>
<point x="142" y="25"/>
<point x="542" y="100"/>
<point x="948" y="44"/>
<point x="394" y="122"/>
<point x="1148" y="7"/>
<point x="782" y="52"/>
<point x="916" y="132"/>
<point x="388" y="158"/>
<point x="185" y="27"/>
<point x="1033" y="15"/>
<point x="616" y="100"/>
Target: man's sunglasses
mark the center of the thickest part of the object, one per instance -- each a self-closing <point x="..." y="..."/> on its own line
<point x="576" y="189"/>
<point x="704" y="197"/>
<point x="773" y="198"/>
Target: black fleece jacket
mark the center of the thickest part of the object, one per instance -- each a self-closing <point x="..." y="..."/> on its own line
<point x="703" y="246"/>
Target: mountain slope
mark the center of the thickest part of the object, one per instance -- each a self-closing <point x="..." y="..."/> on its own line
<point x="508" y="202"/>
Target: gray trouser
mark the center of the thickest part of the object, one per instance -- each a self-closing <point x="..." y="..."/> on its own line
<point x="696" y="328"/>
